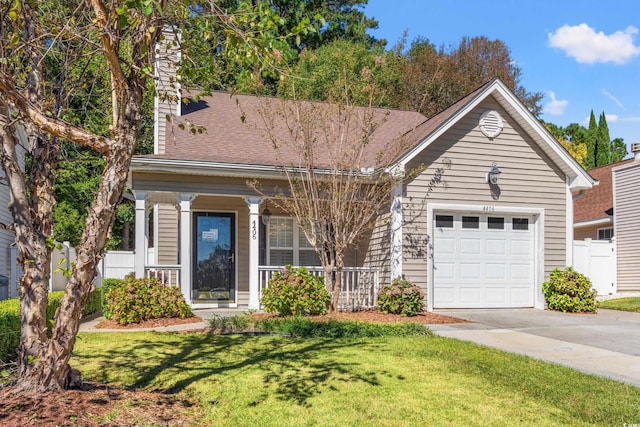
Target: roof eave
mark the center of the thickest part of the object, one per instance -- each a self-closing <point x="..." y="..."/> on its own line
<point x="193" y="167"/>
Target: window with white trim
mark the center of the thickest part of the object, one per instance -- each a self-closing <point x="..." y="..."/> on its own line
<point x="605" y="233"/>
<point x="288" y="244"/>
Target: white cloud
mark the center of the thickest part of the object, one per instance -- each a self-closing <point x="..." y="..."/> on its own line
<point x="555" y="107"/>
<point x="586" y="46"/>
<point x="613" y="98"/>
<point x="611" y="118"/>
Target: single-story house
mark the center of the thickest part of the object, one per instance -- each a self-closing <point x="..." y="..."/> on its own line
<point x="593" y="208"/>
<point x="468" y="239"/>
<point x="626" y="209"/>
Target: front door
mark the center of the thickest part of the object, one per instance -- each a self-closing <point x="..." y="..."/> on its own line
<point x="214" y="249"/>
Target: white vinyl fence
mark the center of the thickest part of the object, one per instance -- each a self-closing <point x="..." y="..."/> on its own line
<point x="596" y="259"/>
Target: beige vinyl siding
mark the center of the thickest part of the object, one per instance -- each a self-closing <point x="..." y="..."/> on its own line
<point x="167" y="234"/>
<point x="528" y="180"/>
<point x="167" y="88"/>
<point x="627" y="226"/>
<point x="378" y="252"/>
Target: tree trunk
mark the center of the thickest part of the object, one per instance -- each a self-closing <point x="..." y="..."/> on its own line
<point x="337" y="282"/>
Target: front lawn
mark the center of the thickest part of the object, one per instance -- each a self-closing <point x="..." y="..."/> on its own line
<point x="381" y="381"/>
<point x="624" y="304"/>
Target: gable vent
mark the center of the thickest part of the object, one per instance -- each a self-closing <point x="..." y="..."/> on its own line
<point x="490" y="123"/>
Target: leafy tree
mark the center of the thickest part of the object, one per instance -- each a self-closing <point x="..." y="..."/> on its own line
<point x="342" y="71"/>
<point x="575" y="147"/>
<point x="124" y="34"/>
<point x="618" y="150"/>
<point x="603" y="145"/>
<point x="592" y="142"/>
<point x="435" y="77"/>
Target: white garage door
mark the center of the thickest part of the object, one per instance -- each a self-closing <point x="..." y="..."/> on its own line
<point x="483" y="260"/>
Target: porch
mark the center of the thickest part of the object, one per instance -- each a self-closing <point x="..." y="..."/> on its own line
<point x="221" y="253"/>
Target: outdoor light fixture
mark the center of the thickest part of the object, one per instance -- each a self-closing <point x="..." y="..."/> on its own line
<point x="266" y="214"/>
<point x="493" y="175"/>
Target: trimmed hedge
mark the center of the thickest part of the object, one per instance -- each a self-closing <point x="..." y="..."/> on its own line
<point x="10" y="319"/>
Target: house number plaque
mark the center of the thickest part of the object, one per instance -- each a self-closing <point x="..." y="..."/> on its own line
<point x="254" y="230"/>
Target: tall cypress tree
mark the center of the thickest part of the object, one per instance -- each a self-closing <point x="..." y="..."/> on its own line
<point x="591" y="141"/>
<point x="603" y="145"/>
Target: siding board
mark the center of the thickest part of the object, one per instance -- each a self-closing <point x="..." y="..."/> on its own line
<point x="627" y="226"/>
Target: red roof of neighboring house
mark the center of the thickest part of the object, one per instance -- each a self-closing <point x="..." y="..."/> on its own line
<point x="597" y="202"/>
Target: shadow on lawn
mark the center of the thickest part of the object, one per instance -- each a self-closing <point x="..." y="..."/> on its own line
<point x="298" y="368"/>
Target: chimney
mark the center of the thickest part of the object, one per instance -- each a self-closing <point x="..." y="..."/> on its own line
<point x="167" y="103"/>
<point x="635" y="149"/>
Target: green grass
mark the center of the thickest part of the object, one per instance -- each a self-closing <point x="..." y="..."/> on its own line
<point x="380" y="381"/>
<point x="624" y="304"/>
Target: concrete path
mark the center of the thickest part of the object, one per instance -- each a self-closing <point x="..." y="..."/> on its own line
<point x="605" y="344"/>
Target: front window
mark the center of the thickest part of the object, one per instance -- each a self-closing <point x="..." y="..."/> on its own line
<point x="288" y="244"/>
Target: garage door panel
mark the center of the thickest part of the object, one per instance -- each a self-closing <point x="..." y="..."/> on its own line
<point x="470" y="271"/>
<point x="495" y="271"/>
<point x="496" y="247"/>
<point x="496" y="295"/>
<point x="490" y="265"/>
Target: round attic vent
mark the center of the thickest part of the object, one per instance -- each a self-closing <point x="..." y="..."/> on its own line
<point x="490" y="123"/>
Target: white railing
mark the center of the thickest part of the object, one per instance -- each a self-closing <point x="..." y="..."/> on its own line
<point x="167" y="274"/>
<point x="358" y="290"/>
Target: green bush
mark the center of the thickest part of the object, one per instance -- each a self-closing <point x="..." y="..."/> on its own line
<point x="401" y="297"/>
<point x="231" y="324"/>
<point x="106" y="284"/>
<point x="310" y="328"/>
<point x="10" y="319"/>
<point x="569" y="291"/>
<point x="137" y="300"/>
<point x="295" y="291"/>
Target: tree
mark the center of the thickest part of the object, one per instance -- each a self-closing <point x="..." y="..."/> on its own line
<point x="603" y="144"/>
<point x="434" y="78"/>
<point x="338" y="175"/>
<point x="592" y="142"/>
<point x="124" y="34"/>
<point x="618" y="150"/>
<point x="574" y="146"/>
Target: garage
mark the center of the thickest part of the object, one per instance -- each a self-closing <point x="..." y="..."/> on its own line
<point x="483" y="260"/>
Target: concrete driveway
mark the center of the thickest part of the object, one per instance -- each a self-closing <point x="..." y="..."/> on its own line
<point x="605" y="344"/>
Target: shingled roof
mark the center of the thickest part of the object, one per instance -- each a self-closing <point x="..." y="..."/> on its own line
<point x="597" y="202"/>
<point x="235" y="130"/>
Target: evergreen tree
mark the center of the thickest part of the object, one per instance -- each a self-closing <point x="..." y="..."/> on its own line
<point x="591" y="140"/>
<point x="618" y="150"/>
<point x="603" y="144"/>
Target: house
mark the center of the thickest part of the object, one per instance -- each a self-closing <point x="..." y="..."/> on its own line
<point x="593" y="208"/>
<point x="626" y="206"/>
<point x="485" y="218"/>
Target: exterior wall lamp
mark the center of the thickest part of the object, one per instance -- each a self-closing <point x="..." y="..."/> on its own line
<point x="493" y="175"/>
<point x="266" y="214"/>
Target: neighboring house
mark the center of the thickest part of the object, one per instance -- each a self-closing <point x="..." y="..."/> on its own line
<point x="626" y="213"/>
<point x="466" y="241"/>
<point x="593" y="208"/>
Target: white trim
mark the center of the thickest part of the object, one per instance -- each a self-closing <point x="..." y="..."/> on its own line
<point x="594" y="222"/>
<point x="254" y="251"/>
<point x="579" y="177"/>
<point x="140" y="256"/>
<point x="396" y="232"/>
<point x="568" y="226"/>
<point x="184" y="201"/>
<point x="538" y="230"/>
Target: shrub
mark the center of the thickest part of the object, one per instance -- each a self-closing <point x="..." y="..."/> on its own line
<point x="10" y="319"/>
<point x="106" y="285"/>
<point x="401" y="297"/>
<point x="295" y="291"/>
<point x="310" y="328"/>
<point x="569" y="291"/>
<point x="231" y="324"/>
<point x="136" y="300"/>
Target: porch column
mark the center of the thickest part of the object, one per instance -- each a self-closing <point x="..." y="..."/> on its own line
<point x="396" y="232"/>
<point x="184" y="201"/>
<point x="141" y="233"/>
<point x="254" y="250"/>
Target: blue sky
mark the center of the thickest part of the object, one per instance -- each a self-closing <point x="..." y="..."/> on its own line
<point x="582" y="55"/>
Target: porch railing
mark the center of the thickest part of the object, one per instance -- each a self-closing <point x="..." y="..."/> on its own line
<point x="167" y="274"/>
<point x="358" y="290"/>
